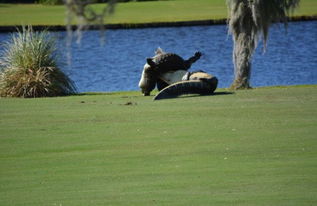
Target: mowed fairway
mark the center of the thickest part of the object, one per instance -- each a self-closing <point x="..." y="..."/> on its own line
<point x="133" y="12"/>
<point x="254" y="147"/>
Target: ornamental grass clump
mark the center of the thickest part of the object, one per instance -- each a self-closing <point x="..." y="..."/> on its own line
<point x="29" y="67"/>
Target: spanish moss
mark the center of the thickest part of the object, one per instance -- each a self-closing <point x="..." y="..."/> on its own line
<point x="84" y="15"/>
<point x="250" y="21"/>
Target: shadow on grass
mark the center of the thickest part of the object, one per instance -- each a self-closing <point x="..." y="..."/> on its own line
<point x="221" y="93"/>
<point x="135" y="94"/>
<point x="198" y="95"/>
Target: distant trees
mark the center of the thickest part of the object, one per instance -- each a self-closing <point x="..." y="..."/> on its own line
<point x="50" y="2"/>
<point x="59" y="2"/>
<point x="17" y="1"/>
<point x="250" y="20"/>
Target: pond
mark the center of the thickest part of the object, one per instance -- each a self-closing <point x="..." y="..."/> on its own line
<point x="290" y="58"/>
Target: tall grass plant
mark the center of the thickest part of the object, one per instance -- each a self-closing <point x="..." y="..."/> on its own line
<point x="29" y="67"/>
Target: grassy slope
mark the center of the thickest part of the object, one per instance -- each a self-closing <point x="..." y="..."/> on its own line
<point x="134" y="12"/>
<point x="255" y="147"/>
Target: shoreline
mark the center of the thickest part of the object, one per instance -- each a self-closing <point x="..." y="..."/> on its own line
<point x="209" y="22"/>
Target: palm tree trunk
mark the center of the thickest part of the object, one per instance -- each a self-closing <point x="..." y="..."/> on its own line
<point x="242" y="28"/>
<point x="242" y="62"/>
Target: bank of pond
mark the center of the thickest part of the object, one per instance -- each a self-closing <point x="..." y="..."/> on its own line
<point x="290" y="57"/>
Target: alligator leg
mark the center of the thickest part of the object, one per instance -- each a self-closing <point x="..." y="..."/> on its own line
<point x="192" y="59"/>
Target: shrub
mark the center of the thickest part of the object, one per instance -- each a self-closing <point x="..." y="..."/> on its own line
<point x="29" y="67"/>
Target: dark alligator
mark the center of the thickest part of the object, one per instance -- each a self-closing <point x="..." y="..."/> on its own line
<point x="162" y="63"/>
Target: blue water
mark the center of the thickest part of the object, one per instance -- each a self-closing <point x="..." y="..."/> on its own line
<point x="290" y="58"/>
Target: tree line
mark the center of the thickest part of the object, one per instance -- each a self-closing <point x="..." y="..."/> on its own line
<point x="58" y="2"/>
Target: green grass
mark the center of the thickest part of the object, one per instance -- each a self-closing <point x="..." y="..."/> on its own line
<point x="255" y="147"/>
<point x="133" y="12"/>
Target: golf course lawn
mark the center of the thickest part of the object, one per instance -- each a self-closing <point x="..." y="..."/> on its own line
<point x="252" y="147"/>
<point x="133" y="12"/>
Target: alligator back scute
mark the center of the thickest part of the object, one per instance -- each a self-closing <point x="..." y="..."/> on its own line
<point x="169" y="62"/>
